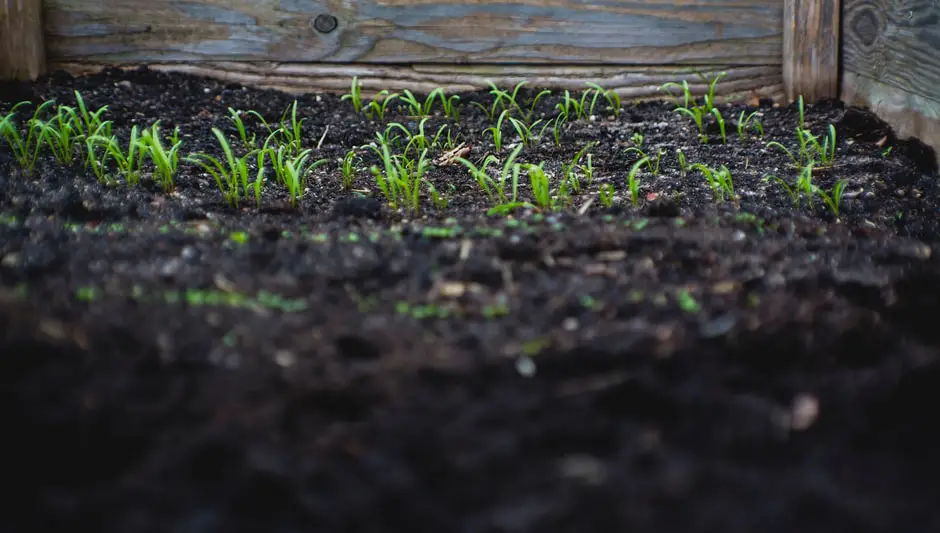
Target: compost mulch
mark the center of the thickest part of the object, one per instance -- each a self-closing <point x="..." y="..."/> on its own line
<point x="682" y="365"/>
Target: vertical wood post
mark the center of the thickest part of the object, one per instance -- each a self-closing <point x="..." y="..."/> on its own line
<point x="22" y="46"/>
<point x="811" y="48"/>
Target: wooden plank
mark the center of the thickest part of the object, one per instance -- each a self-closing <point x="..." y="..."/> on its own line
<point x="22" y="51"/>
<point x="811" y="49"/>
<point x="632" y="83"/>
<point x="891" y="61"/>
<point x="653" y="32"/>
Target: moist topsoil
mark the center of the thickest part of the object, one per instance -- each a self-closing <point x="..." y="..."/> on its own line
<point x="170" y="363"/>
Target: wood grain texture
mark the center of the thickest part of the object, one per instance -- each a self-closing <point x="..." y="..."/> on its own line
<point x="911" y="115"/>
<point x="652" y="32"/>
<point x="891" y="62"/>
<point x="811" y="48"/>
<point x="632" y="83"/>
<point x="22" y="50"/>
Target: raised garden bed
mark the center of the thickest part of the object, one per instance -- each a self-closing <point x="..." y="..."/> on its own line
<point x="694" y="356"/>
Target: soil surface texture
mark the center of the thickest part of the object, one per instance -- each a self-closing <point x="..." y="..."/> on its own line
<point x="700" y="359"/>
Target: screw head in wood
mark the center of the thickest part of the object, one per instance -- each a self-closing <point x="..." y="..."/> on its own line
<point x="325" y="23"/>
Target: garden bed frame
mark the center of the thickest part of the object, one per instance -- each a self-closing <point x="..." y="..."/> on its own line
<point x="874" y="53"/>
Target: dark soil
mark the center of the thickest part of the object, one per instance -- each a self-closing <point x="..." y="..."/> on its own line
<point x="171" y="364"/>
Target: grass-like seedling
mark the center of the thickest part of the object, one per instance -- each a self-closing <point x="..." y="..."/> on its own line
<point x="128" y="161"/>
<point x="715" y="112"/>
<point x="495" y="189"/>
<point x="62" y="134"/>
<point x="720" y="181"/>
<point x="25" y="149"/>
<point x="606" y="194"/>
<point x="496" y="131"/>
<point x="652" y="162"/>
<point x="751" y="120"/>
<point x="346" y="170"/>
<point x="804" y="186"/>
<point x="569" y="173"/>
<point x="354" y="95"/>
<point x="231" y="176"/>
<point x="570" y="105"/>
<point x="236" y="117"/>
<point x="165" y="161"/>
<point x="810" y="149"/>
<point x="688" y="106"/>
<point x="541" y="186"/>
<point x="833" y="199"/>
<point x="525" y="130"/>
<point x="633" y="182"/>
<point x="400" y="178"/>
<point x="613" y="99"/>
<point x="423" y="109"/>
<point x="683" y="163"/>
<point x="292" y="171"/>
<point x="378" y="106"/>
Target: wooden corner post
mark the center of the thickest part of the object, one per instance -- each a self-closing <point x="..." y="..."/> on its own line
<point x="811" y="48"/>
<point x="22" y="46"/>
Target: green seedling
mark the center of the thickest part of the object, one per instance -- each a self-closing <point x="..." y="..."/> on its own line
<point x="354" y="95"/>
<point x="378" y="106"/>
<point x="606" y="194"/>
<point x="236" y="117"/>
<point x="400" y="178"/>
<point x="804" y="185"/>
<point x="721" y="124"/>
<point x="810" y="149"/>
<point x="98" y="162"/>
<point x="613" y="99"/>
<point x="63" y="134"/>
<point x="524" y="130"/>
<point x="652" y="162"/>
<point x="688" y="105"/>
<point x="719" y="180"/>
<point x="128" y="161"/>
<point x="833" y="198"/>
<point x="231" y="177"/>
<point x="541" y="186"/>
<point x="495" y="189"/>
<point x="751" y="120"/>
<point x="683" y="164"/>
<point x="496" y="131"/>
<point x="633" y="182"/>
<point x="347" y="170"/>
<point x="569" y="169"/>
<point x="418" y="109"/>
<point x="637" y="138"/>
<point x="165" y="161"/>
<point x="293" y="171"/>
<point x="25" y="150"/>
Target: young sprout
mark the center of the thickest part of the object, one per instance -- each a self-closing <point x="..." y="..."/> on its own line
<point x="804" y="185"/>
<point x="683" y="164"/>
<point x="637" y="138"/>
<point x="606" y="194"/>
<point x="568" y="169"/>
<point x="63" y="134"/>
<point x="495" y="189"/>
<point x="497" y="131"/>
<point x="379" y="105"/>
<point x="719" y="180"/>
<point x="721" y="124"/>
<point x="633" y="183"/>
<point x="652" y="163"/>
<point x="613" y="99"/>
<point x="25" y="150"/>
<point x="419" y="109"/>
<point x="399" y="178"/>
<point x="354" y="95"/>
<point x="834" y="198"/>
<point x="165" y="161"/>
<point x="751" y="120"/>
<point x="541" y="186"/>
<point x="293" y="173"/>
<point x="128" y="161"/>
<point x="524" y="130"/>
<point x="236" y="117"/>
<point x="231" y="176"/>
<point x="347" y="170"/>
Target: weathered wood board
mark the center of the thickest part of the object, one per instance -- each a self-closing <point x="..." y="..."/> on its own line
<point x="632" y="83"/>
<point x="22" y="51"/>
<point x="625" y="32"/>
<point x="891" y="58"/>
<point x="811" y="48"/>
